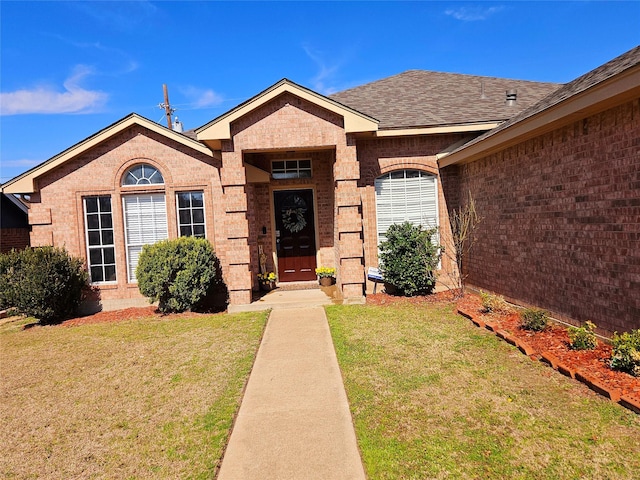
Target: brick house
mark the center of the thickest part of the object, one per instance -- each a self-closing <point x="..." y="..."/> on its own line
<point x="307" y="180"/>
<point x="558" y="187"/>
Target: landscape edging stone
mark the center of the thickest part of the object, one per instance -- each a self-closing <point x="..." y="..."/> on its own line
<point x="626" y="401"/>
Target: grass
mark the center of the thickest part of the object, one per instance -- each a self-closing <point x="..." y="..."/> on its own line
<point x="150" y="398"/>
<point x="434" y="397"/>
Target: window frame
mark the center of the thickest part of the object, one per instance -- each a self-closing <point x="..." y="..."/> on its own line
<point x="287" y="173"/>
<point x="102" y="246"/>
<point x="131" y="278"/>
<point x="190" y="208"/>
<point x="148" y="183"/>
<point x="421" y="174"/>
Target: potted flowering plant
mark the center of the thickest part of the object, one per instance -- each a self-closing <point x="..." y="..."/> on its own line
<point x="267" y="280"/>
<point x="326" y="275"/>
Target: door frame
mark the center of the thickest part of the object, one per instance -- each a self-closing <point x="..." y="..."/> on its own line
<point x="272" y="213"/>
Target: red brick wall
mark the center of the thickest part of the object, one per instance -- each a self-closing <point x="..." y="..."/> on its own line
<point x="56" y="212"/>
<point x="260" y="200"/>
<point x="561" y="220"/>
<point x="286" y="127"/>
<point x="11" y="238"/>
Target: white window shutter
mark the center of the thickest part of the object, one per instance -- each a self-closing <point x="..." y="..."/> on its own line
<point x="145" y="219"/>
<point x="406" y="196"/>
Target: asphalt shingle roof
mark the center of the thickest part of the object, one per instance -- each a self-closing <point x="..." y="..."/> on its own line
<point x="419" y="98"/>
<point x="580" y="84"/>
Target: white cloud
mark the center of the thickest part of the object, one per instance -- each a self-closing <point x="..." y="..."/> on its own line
<point x="325" y="72"/>
<point x="122" y="16"/>
<point x="21" y="163"/>
<point x="472" y="14"/>
<point x="12" y="168"/>
<point x="49" y="100"/>
<point x="200" y="97"/>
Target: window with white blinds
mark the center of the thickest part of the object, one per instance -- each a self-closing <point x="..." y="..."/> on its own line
<point x="145" y="222"/>
<point x="406" y="196"/>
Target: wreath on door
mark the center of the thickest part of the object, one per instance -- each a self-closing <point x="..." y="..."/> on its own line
<point x="293" y="214"/>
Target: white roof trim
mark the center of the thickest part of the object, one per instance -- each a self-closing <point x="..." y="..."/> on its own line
<point x="463" y="128"/>
<point x="25" y="183"/>
<point x="608" y="94"/>
<point x="12" y="198"/>
<point x="220" y="128"/>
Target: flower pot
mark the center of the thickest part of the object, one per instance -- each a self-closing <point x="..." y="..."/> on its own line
<point x="327" y="281"/>
<point x="267" y="286"/>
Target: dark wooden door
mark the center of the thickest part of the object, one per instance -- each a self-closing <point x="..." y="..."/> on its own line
<point x="295" y="235"/>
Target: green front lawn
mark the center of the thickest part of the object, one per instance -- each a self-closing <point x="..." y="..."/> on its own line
<point x="150" y="398"/>
<point x="432" y="396"/>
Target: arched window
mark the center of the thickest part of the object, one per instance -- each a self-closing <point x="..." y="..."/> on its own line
<point x="145" y="214"/>
<point x="142" y="174"/>
<point x="406" y="196"/>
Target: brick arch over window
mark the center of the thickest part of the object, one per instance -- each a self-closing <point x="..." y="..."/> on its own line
<point x="407" y="195"/>
<point x="382" y="167"/>
<point x="408" y="165"/>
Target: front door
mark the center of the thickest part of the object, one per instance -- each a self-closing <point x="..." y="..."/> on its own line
<point x="295" y="235"/>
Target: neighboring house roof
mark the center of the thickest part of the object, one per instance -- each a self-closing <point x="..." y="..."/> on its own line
<point x="13" y="212"/>
<point x="419" y="98"/>
<point x="25" y="183"/>
<point x="611" y="84"/>
<point x="220" y="127"/>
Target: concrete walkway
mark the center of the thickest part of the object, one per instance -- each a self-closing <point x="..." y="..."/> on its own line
<point x="294" y="421"/>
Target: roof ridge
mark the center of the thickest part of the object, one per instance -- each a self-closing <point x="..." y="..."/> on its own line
<point x="436" y="72"/>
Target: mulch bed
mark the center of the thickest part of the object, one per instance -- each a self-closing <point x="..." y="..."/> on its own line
<point x="386" y="299"/>
<point x="550" y="345"/>
<point x="125" y="314"/>
<point x="555" y="340"/>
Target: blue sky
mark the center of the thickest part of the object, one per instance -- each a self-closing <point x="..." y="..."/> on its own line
<point x="69" y="69"/>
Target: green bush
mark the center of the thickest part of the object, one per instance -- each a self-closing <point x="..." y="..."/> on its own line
<point x="626" y="352"/>
<point x="409" y="257"/>
<point x="534" y="319"/>
<point x="45" y="282"/>
<point x="494" y="303"/>
<point x="178" y="274"/>
<point x="583" y="338"/>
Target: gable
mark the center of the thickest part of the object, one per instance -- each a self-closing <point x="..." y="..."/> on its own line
<point x="288" y="122"/>
<point x="221" y="128"/>
<point x="26" y="183"/>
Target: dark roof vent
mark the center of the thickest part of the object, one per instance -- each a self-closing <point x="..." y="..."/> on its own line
<point x="512" y="96"/>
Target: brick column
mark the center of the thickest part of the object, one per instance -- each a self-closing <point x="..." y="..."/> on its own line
<point x="349" y="236"/>
<point x="236" y="227"/>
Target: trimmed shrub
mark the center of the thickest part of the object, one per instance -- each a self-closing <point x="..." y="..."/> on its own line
<point x="178" y="274"/>
<point x="494" y="303"/>
<point x="534" y="319"/>
<point x="583" y="338"/>
<point x="44" y="282"/>
<point x="409" y="257"/>
<point x="626" y="352"/>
